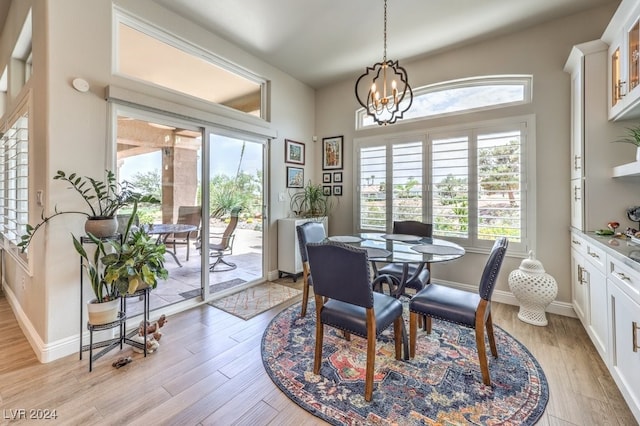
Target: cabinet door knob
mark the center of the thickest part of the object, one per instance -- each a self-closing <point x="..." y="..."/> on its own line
<point x="576" y="242"/>
<point x="594" y="255"/>
<point x="634" y="335"/>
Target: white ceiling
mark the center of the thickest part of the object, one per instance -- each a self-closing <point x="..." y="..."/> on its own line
<point x="321" y="41"/>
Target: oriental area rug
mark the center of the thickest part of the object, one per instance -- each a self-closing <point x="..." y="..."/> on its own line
<point x="442" y="385"/>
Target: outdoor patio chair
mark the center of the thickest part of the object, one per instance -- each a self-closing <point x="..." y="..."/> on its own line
<point x="469" y="309"/>
<point x="341" y="276"/>
<point x="187" y="215"/>
<point x="221" y="245"/>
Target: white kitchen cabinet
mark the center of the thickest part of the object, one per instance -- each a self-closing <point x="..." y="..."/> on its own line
<point x="289" y="261"/>
<point x="589" y="290"/>
<point x="579" y="288"/>
<point x="597" y="318"/>
<point x="606" y="298"/>
<point x="596" y="199"/>
<point x="623" y="74"/>
<point x="625" y="354"/>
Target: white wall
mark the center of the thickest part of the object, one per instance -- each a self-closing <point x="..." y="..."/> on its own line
<point x="541" y="51"/>
<point x="72" y="38"/>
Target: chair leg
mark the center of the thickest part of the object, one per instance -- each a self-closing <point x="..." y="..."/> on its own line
<point x="347" y="335"/>
<point x="305" y="299"/>
<point x="230" y="266"/>
<point x="398" y="329"/>
<point x="482" y="356"/>
<point x="492" y="340"/>
<point x="413" y="333"/>
<point x="371" y="357"/>
<point x="427" y="324"/>
<point x="188" y="244"/>
<point x="317" y="360"/>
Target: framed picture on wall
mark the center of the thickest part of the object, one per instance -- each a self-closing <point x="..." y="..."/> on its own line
<point x="337" y="177"/>
<point x="326" y="190"/>
<point x="326" y="178"/>
<point x="337" y="190"/>
<point x="293" y="152"/>
<point x="332" y="150"/>
<point x="295" y="177"/>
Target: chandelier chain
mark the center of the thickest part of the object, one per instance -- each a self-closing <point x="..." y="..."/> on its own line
<point x="384" y="59"/>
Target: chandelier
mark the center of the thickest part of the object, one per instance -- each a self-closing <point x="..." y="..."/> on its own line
<point x="383" y="90"/>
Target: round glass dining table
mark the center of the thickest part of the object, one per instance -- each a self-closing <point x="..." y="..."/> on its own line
<point x="405" y="250"/>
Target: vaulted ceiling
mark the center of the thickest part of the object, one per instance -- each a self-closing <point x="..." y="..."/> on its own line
<point x="319" y="42"/>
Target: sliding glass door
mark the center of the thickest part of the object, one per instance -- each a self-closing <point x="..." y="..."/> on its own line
<point x="236" y="206"/>
<point x="211" y="202"/>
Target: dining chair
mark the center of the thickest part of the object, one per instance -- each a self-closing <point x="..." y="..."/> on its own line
<point x="415" y="280"/>
<point x="341" y="276"/>
<point x="187" y="215"/>
<point x="308" y="232"/>
<point x="469" y="309"/>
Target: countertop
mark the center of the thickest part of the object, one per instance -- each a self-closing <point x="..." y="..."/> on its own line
<point x="622" y="248"/>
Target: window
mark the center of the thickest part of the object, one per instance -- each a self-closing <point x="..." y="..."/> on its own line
<point x="14" y="176"/>
<point x="462" y="96"/>
<point x="474" y="179"/>
<point x="148" y="54"/>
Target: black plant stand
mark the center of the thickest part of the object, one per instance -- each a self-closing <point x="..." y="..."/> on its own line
<point x="120" y="322"/>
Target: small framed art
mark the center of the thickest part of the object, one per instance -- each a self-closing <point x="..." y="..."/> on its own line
<point x="337" y="177"/>
<point x="337" y="190"/>
<point x="332" y="150"/>
<point x="326" y="178"/>
<point x="326" y="190"/>
<point x="293" y="152"/>
<point x="295" y="177"/>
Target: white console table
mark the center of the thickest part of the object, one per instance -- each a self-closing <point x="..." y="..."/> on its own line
<point x="289" y="261"/>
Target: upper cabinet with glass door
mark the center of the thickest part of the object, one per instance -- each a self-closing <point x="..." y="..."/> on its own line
<point x="623" y="37"/>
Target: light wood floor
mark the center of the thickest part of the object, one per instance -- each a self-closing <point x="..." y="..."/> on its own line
<point x="208" y="370"/>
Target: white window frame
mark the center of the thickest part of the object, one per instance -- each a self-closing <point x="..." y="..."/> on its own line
<point x="526" y="81"/>
<point x="123" y="17"/>
<point x="527" y="178"/>
<point x="21" y="209"/>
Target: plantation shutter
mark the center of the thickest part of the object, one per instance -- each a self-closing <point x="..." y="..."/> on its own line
<point x="373" y="171"/>
<point x="407" y="165"/>
<point x="450" y="186"/>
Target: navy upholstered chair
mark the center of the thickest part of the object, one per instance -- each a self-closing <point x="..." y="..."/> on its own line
<point x="470" y="309"/>
<point x="341" y="276"/>
<point x="309" y="232"/>
<point x="422" y="278"/>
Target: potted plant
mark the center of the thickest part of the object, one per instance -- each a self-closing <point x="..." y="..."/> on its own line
<point x="117" y="268"/>
<point x="310" y="202"/>
<point x="103" y="199"/>
<point x="633" y="138"/>
<point x="136" y="262"/>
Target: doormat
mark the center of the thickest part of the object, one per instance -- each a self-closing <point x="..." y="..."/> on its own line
<point x="252" y="301"/>
<point x="213" y="288"/>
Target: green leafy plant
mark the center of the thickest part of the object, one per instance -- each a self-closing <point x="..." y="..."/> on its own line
<point x="310" y="202"/>
<point x="119" y="268"/>
<point x="103" y="199"/>
<point x="138" y="261"/>
<point x="633" y="136"/>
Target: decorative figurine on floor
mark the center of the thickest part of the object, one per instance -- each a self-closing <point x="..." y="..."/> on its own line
<point x="153" y="334"/>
